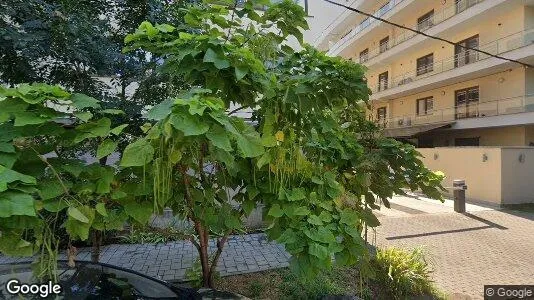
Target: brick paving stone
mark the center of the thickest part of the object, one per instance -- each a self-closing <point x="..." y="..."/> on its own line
<point x="242" y="254"/>
<point x="468" y="251"/>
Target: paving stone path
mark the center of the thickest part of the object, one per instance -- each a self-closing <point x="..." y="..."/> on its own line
<point x="242" y="254"/>
<point x="467" y="251"/>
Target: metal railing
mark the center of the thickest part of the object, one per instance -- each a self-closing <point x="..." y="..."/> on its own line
<point x="480" y="109"/>
<point x="435" y="19"/>
<point x="438" y="17"/>
<point x="505" y="44"/>
<point x="364" y="24"/>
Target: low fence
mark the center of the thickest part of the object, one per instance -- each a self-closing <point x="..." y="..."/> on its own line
<point x="496" y="175"/>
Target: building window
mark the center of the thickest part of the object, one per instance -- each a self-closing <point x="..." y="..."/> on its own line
<point x="425" y="64"/>
<point x="383" y="81"/>
<point x="384" y="44"/>
<point x="426" y="21"/>
<point x="466" y="102"/>
<point x="425" y="106"/>
<point x="381" y="113"/>
<point x="463" y="56"/>
<point x="364" y="55"/>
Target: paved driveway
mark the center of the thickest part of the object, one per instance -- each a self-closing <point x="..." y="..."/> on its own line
<point x="467" y="251"/>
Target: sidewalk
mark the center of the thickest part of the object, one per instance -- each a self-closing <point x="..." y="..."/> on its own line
<point x="242" y="254"/>
<point x="467" y="251"/>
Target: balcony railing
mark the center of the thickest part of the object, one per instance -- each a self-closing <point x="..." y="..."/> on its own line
<point x="365" y="23"/>
<point x="425" y="24"/>
<point x="438" y="17"/>
<point x="499" y="107"/>
<point x="505" y="44"/>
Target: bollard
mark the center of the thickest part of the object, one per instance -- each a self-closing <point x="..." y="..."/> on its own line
<point x="459" y="188"/>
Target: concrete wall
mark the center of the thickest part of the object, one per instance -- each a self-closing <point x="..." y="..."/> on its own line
<point x="483" y="178"/>
<point x="493" y="174"/>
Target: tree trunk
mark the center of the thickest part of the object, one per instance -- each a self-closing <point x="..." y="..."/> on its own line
<point x="95" y="250"/>
<point x="220" y="246"/>
<point x="203" y="254"/>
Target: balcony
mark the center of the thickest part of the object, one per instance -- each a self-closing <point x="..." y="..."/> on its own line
<point x="437" y="18"/>
<point x="363" y="25"/>
<point x="505" y="44"/>
<point x="501" y="107"/>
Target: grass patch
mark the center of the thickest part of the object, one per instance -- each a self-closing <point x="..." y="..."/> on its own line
<point x="400" y="274"/>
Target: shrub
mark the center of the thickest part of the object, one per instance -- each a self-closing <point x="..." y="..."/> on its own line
<point x="403" y="273"/>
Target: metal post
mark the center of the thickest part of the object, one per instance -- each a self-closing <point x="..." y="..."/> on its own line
<point x="459" y="188"/>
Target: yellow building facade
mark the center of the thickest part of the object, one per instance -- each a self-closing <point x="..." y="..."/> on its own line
<point x="433" y="93"/>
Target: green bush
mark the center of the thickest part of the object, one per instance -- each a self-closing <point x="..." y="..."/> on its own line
<point x="403" y="273"/>
<point x="322" y="285"/>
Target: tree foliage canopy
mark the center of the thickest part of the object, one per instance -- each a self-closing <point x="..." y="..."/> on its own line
<point x="309" y="154"/>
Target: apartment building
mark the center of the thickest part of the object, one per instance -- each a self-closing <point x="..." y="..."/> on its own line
<point x="433" y="93"/>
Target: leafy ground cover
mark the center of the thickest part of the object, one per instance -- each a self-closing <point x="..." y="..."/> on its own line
<point x="399" y="274"/>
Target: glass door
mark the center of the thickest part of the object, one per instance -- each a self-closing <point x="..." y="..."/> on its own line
<point x="465" y="56"/>
<point x="466" y="102"/>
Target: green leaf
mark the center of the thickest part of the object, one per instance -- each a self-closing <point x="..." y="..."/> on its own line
<point x="349" y="217"/>
<point x="232" y="222"/>
<point x="100" y="128"/>
<point x="249" y="147"/>
<point x="315" y="220"/>
<point x="321" y="234"/>
<point x="106" y="148"/>
<point x="264" y="160"/>
<point x="161" y="110"/>
<point x="78" y="229"/>
<point x="218" y="60"/>
<point x="248" y="206"/>
<point x="111" y="111"/>
<point x="275" y="211"/>
<point x="139" y="211"/>
<point x="83" y="115"/>
<point x="16" y="204"/>
<point x="369" y="218"/>
<point x="29" y="118"/>
<point x="296" y="194"/>
<point x="54" y="205"/>
<point x="101" y="209"/>
<point x="117" y="130"/>
<point x="49" y="189"/>
<point x="252" y="192"/>
<point x="301" y="211"/>
<point x="318" y="251"/>
<point x="81" y="101"/>
<point x="218" y="136"/>
<point x="9" y="176"/>
<point x="7" y="147"/>
<point x="240" y="72"/>
<point x="77" y="214"/>
<point x="12" y="244"/>
<point x="118" y="195"/>
<point x="137" y="154"/>
<point x="188" y="124"/>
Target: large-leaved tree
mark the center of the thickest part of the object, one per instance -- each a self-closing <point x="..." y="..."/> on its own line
<point x="307" y="153"/>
